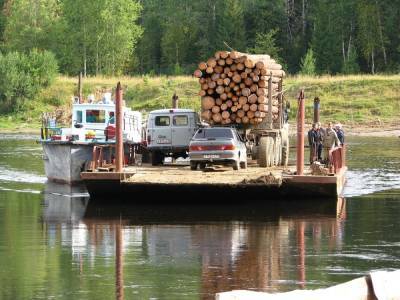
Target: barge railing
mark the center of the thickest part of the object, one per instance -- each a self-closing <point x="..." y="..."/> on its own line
<point x="337" y="159"/>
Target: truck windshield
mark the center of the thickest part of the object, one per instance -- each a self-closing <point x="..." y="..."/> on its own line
<point x="205" y="133"/>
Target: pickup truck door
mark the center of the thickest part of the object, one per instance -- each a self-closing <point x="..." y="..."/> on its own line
<point x="161" y="131"/>
<point x="183" y="128"/>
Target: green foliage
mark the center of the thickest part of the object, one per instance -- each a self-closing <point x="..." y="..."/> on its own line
<point x="30" y="25"/>
<point x="23" y="76"/>
<point x="308" y="64"/>
<point x="350" y="65"/>
<point x="231" y="26"/>
<point x="99" y="36"/>
<point x="106" y="37"/>
<point x="265" y="44"/>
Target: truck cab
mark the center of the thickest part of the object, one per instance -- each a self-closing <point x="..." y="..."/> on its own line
<point x="169" y="132"/>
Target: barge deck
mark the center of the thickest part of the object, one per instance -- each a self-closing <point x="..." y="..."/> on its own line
<point x="181" y="182"/>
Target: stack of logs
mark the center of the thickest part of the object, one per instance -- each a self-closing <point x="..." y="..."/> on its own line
<point x="234" y="87"/>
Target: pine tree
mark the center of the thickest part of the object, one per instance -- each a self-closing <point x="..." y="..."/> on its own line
<point x="265" y="44"/>
<point x="231" y="26"/>
<point x="308" y="64"/>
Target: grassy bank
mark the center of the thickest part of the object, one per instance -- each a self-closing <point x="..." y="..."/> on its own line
<point x="362" y="100"/>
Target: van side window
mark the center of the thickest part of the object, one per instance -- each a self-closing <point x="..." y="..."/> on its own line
<point x="162" y="121"/>
<point x="78" y="116"/>
<point x="180" y="120"/>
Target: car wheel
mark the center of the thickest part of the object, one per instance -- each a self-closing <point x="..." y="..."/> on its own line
<point x="236" y="165"/>
<point x="193" y="166"/>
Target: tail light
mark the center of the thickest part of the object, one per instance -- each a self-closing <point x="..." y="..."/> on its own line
<point x="211" y="147"/>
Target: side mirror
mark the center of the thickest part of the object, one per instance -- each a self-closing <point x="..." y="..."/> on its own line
<point x="78" y="125"/>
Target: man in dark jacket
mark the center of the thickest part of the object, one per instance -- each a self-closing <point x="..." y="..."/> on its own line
<point x="314" y="141"/>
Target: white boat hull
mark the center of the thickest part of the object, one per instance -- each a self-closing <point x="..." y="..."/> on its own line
<point x="64" y="162"/>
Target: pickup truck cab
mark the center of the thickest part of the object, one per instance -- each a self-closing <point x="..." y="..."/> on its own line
<point x="169" y="132"/>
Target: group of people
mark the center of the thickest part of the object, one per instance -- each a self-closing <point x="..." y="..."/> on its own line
<point x="324" y="139"/>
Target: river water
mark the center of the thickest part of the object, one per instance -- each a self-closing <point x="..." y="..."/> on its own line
<point x="56" y="243"/>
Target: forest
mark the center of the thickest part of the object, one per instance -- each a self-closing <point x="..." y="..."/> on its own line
<point x="115" y="37"/>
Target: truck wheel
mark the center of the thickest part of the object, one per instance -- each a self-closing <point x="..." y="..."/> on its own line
<point x="202" y="166"/>
<point x="236" y="165"/>
<point x="265" y="151"/>
<point x="157" y="158"/>
<point x="154" y="158"/>
<point x="193" y="166"/>
<point x="243" y="164"/>
<point x="285" y="152"/>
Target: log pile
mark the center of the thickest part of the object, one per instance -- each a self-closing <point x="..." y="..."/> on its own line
<point x="234" y="87"/>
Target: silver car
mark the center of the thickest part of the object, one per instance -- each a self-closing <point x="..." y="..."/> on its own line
<point x="217" y="145"/>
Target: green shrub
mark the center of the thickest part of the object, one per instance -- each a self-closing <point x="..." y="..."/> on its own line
<point x="22" y="76"/>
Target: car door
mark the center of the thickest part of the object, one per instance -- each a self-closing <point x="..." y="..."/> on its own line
<point x="161" y="131"/>
<point x="182" y="129"/>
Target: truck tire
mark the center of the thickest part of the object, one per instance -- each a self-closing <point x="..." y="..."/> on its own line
<point x="193" y="166"/>
<point x="202" y="166"/>
<point x="243" y="164"/>
<point x="265" y="151"/>
<point x="236" y="165"/>
<point x="157" y="158"/>
<point x="285" y="152"/>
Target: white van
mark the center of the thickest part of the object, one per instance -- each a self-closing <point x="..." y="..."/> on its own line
<point x="169" y="132"/>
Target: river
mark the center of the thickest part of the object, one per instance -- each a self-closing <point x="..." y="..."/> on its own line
<point x="57" y="243"/>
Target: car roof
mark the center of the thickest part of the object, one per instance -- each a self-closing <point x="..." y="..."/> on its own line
<point x="172" y="110"/>
<point x="219" y="127"/>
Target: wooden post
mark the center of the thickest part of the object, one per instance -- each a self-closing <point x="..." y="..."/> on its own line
<point x="270" y="102"/>
<point x="300" y="134"/>
<point x="316" y="109"/>
<point x="80" y="83"/>
<point x="280" y="104"/>
<point x="175" y="101"/>
<point x="119" y="151"/>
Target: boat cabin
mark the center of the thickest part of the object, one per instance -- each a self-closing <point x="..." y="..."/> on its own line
<point x="90" y="120"/>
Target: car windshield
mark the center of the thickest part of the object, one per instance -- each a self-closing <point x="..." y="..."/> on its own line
<point x="206" y="133"/>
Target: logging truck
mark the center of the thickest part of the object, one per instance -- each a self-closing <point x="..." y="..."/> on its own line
<point x="246" y="91"/>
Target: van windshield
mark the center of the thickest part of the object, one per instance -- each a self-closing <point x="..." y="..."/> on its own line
<point x="205" y="133"/>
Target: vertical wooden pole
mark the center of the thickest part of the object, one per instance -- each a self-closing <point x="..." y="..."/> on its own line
<point x="300" y="134"/>
<point x="80" y="88"/>
<point x="119" y="155"/>
<point x="280" y="97"/>
<point x="270" y="102"/>
<point x="175" y="101"/>
<point x="316" y="109"/>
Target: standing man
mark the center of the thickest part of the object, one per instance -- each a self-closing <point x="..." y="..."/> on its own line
<point x="314" y="141"/>
<point x="329" y="141"/>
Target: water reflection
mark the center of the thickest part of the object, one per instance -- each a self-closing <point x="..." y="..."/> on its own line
<point x="260" y="247"/>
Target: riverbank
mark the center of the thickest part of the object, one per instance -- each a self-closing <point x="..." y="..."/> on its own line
<point x="363" y="103"/>
<point x="384" y="131"/>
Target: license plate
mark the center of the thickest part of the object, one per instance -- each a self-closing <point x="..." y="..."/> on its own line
<point x="163" y="141"/>
<point x="211" y="156"/>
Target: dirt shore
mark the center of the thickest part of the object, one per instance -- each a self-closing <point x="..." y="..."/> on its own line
<point x="362" y="130"/>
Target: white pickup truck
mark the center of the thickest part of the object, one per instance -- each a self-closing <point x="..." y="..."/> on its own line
<point x="169" y="132"/>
